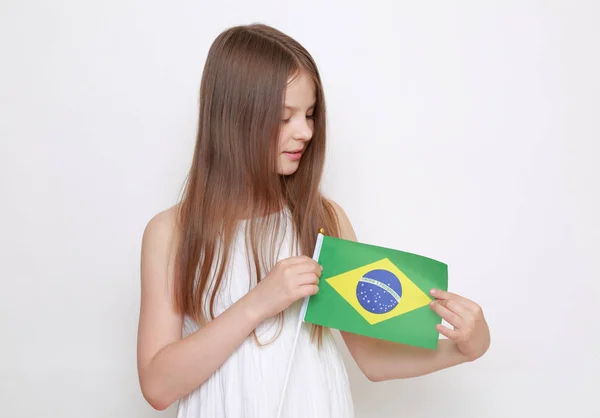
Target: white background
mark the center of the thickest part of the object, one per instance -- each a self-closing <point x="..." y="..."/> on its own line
<point x="465" y="131"/>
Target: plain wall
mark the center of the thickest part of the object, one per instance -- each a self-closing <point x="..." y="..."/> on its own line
<point x="464" y="131"/>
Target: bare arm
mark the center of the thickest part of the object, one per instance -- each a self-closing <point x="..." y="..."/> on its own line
<point x="384" y="360"/>
<point x="170" y="367"/>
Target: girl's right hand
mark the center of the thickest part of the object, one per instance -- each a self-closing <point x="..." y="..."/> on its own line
<point x="291" y="279"/>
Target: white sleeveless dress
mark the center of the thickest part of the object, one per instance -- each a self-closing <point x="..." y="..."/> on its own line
<point x="249" y="384"/>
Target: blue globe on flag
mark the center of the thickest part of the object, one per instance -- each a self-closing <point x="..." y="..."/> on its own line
<point x="379" y="291"/>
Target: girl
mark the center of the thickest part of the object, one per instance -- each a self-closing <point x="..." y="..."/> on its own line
<point x="223" y="273"/>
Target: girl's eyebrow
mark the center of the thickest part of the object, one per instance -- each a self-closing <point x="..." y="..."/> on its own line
<point x="297" y="108"/>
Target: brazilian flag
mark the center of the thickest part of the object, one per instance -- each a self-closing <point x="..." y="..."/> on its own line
<point x="376" y="291"/>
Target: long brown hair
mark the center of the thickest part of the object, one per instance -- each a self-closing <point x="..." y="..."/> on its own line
<point x="233" y="174"/>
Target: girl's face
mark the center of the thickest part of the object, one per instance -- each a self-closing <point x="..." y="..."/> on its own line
<point x="297" y="123"/>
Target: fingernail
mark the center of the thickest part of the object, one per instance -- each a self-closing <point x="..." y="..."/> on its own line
<point x="432" y="291"/>
<point x="321" y="267"/>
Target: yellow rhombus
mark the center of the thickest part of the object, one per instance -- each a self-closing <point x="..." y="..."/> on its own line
<point x="412" y="297"/>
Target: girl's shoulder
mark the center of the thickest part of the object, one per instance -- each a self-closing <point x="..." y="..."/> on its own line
<point x="346" y="228"/>
<point x="161" y="228"/>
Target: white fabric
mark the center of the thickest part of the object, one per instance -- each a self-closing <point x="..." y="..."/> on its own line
<point x="250" y="382"/>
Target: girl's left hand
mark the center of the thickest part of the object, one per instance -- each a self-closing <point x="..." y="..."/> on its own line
<point x="471" y="333"/>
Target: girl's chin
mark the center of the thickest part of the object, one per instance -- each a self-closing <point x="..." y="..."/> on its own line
<point x="288" y="168"/>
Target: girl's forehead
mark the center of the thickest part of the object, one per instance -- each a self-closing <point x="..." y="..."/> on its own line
<point x="300" y="92"/>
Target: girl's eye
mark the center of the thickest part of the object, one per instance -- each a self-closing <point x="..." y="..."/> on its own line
<point x="286" y="120"/>
<point x="310" y="117"/>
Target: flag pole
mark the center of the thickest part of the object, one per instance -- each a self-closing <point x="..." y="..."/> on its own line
<point x="300" y="321"/>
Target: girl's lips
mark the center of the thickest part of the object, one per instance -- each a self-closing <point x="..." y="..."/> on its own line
<point x="294" y="155"/>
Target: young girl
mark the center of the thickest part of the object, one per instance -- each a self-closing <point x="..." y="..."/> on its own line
<point x="224" y="272"/>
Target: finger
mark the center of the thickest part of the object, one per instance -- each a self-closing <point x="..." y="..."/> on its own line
<point x="300" y="259"/>
<point x="467" y="318"/>
<point x="296" y="260"/>
<point x="468" y="306"/>
<point x="302" y="268"/>
<point x="290" y="261"/>
<point x="473" y="310"/>
<point x="446" y="314"/>
<point x="447" y="332"/>
<point x="444" y="295"/>
<point x="309" y="290"/>
<point x="308" y="278"/>
<point x="456" y="307"/>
